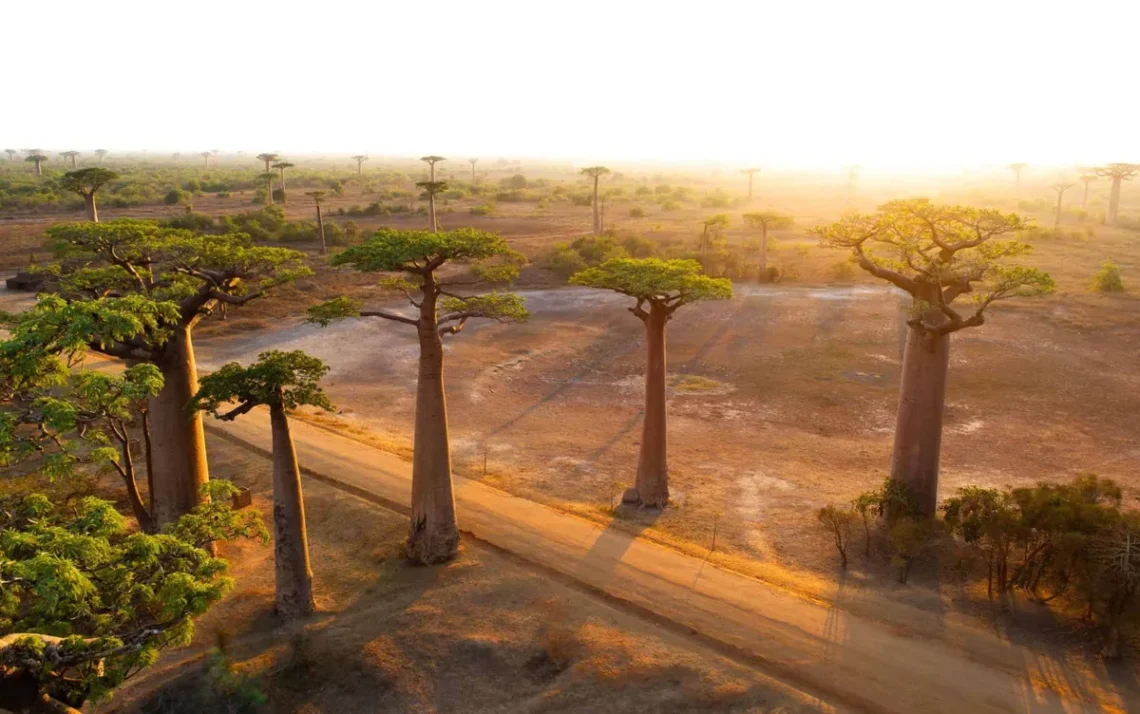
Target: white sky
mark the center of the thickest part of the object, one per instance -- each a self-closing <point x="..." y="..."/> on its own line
<point x="796" y="83"/>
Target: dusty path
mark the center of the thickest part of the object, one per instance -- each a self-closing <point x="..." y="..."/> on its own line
<point x="843" y="659"/>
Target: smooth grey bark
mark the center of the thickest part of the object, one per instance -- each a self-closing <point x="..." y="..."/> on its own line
<point x="180" y="468"/>
<point x="292" y="570"/>
<point x="433" y="534"/>
<point x="39" y="168"/>
<point x="92" y="211"/>
<point x="652" y="466"/>
<point x="431" y="210"/>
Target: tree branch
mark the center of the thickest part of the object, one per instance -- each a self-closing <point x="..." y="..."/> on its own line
<point x="389" y="316"/>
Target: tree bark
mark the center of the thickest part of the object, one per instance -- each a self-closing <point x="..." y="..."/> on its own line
<point x="321" y="230"/>
<point x="750" y="201"/>
<point x="138" y="508"/>
<point x="294" y="577"/>
<point x="180" y="445"/>
<point x="918" y="428"/>
<point x="597" y="217"/>
<point x="39" y="169"/>
<point x="652" y="467"/>
<point x="763" y="243"/>
<point x="433" y="535"/>
<point x="1085" y="199"/>
<point x="431" y="211"/>
<point x="269" y="185"/>
<point x="92" y="211"/>
<point x="359" y="169"/>
<point x="1113" y="201"/>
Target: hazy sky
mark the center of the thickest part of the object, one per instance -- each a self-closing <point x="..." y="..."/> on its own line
<point x="902" y="85"/>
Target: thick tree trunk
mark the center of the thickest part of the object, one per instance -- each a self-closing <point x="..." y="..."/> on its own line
<point x="1057" y="219"/>
<point x="179" y="443"/>
<point x="597" y="216"/>
<point x="918" y="428"/>
<point x="750" y="188"/>
<point x="321" y="230"/>
<point x="359" y="168"/>
<point x="763" y="248"/>
<point x="39" y="169"/>
<point x="269" y="186"/>
<point x="433" y="536"/>
<point x="92" y="211"/>
<point x="294" y="577"/>
<point x="652" y="468"/>
<point x="1085" y="199"/>
<point x="282" y="180"/>
<point x="1113" y="202"/>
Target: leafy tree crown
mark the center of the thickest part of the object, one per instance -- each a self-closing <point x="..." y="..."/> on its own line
<point x="284" y="379"/>
<point x="667" y="284"/>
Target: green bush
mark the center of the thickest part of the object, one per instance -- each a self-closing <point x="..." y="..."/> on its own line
<point x="1108" y="279"/>
<point x="637" y="212"/>
<point x="174" y="197"/>
<point x="483" y="209"/>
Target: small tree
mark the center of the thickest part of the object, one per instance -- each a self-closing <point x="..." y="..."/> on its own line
<point x="12" y="153"/>
<point x="283" y="381"/>
<point x="937" y="254"/>
<point x="988" y="522"/>
<point x="749" y="173"/>
<point x="268" y="159"/>
<point x="595" y="173"/>
<point x="1086" y="178"/>
<point x="839" y="523"/>
<point x="317" y="197"/>
<point x="765" y="220"/>
<point x="417" y="257"/>
<point x="87" y="602"/>
<point x="38" y="159"/>
<point x="69" y="156"/>
<point x="102" y="154"/>
<point x="1108" y="279"/>
<point x="711" y="233"/>
<point x="664" y="286"/>
<point x="1116" y="555"/>
<point x="281" y="166"/>
<point x="1117" y="173"/>
<point x="1017" y="168"/>
<point x="206" y="159"/>
<point x="86" y="182"/>
<point x="360" y="159"/>
<point x="472" y="162"/>
<point x="1060" y="188"/>
<point x="268" y="177"/>
<point x="432" y="189"/>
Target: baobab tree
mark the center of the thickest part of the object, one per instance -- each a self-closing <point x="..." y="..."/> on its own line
<point x="749" y="173"/>
<point x="1118" y="173"/>
<point x="432" y="189"/>
<point x="1060" y="188"/>
<point x="1086" y="178"/>
<point x="317" y="197"/>
<point x="268" y="177"/>
<point x="663" y="286"/>
<point x="281" y="166"/>
<point x="1017" y="169"/>
<point x="852" y="179"/>
<point x="282" y="381"/>
<point x="936" y="254"/>
<point x="765" y="220"/>
<point x="713" y="225"/>
<point x="175" y="157"/>
<point x="35" y="157"/>
<point x="12" y="153"/>
<point x="417" y="257"/>
<point x="102" y="154"/>
<point x="69" y="156"/>
<point x="596" y="172"/>
<point x="360" y="159"/>
<point x="268" y="159"/>
<point x="86" y="182"/>
<point x="205" y="159"/>
<point x="472" y="162"/>
<point x="136" y="294"/>
<point x="431" y="161"/>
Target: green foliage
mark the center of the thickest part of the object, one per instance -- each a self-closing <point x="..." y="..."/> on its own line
<point x="175" y="196"/>
<point x="283" y="379"/>
<point x="677" y="282"/>
<point x="483" y="209"/>
<point x="1108" y="279"/>
<point x="392" y="250"/>
<point x="87" y="602"/>
<point x="769" y="220"/>
<point x="518" y="181"/>
<point x="85" y="182"/>
<point x="637" y="212"/>
<point x="325" y="313"/>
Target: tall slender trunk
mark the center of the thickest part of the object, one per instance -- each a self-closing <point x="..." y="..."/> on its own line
<point x="652" y="468"/>
<point x="149" y="460"/>
<point x="282" y="180"/>
<point x="1017" y="179"/>
<point x="92" y="211"/>
<point x="750" y="188"/>
<point x="597" y="217"/>
<point x="140" y="511"/>
<point x="763" y="250"/>
<point x="359" y="168"/>
<point x="267" y="166"/>
<point x="433" y="535"/>
<point x="1113" y="201"/>
<point x="39" y="169"/>
<point x="180" y="445"/>
<point x="294" y="577"/>
<point x="269" y="186"/>
<point x="1057" y="219"/>
<point x="918" y="428"/>
<point x="431" y="211"/>
<point x="1085" y="199"/>
<point x="321" y="230"/>
<point x="472" y="174"/>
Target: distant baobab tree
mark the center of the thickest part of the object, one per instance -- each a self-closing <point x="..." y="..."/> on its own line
<point x="268" y="177"/>
<point x="12" y="152"/>
<point x="1118" y="173"/>
<point x="69" y="156"/>
<point x="431" y="161"/>
<point x="1060" y="187"/>
<point x="852" y="179"/>
<point x="432" y="188"/>
<point x="101" y="153"/>
<point x="472" y="162"/>
<point x="281" y="166"/>
<point x="86" y="182"/>
<point x="317" y="197"/>
<point x="205" y="159"/>
<point x="713" y="226"/>
<point x="596" y="172"/>
<point x="1016" y="169"/>
<point x="1086" y="178"/>
<point x="37" y="158"/>
<point x="175" y="156"/>
<point x="749" y="173"/>
<point x="268" y="159"/>
<point x="765" y="220"/>
<point x="360" y="159"/>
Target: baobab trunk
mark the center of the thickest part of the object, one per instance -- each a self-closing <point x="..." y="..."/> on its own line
<point x="431" y="210"/>
<point x="321" y="230"/>
<point x="597" y="215"/>
<point x="652" y="469"/>
<point x="750" y="188"/>
<point x="359" y="169"/>
<point x="1113" y="201"/>
<point x="294" y="577"/>
<point x="1057" y="220"/>
<point x="179" y="443"/>
<point x="92" y="211"/>
<point x="763" y="250"/>
<point x="1085" y="200"/>
<point x="39" y="169"/>
<point x="918" y="428"/>
<point x="269" y="185"/>
<point x="433" y="535"/>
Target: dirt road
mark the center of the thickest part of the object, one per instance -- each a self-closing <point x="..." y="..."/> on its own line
<point x="847" y="661"/>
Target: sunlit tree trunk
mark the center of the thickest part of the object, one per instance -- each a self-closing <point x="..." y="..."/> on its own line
<point x="39" y="169"/>
<point x="179" y="442"/>
<point x="294" y="576"/>
<point x="763" y="241"/>
<point x="321" y="230"/>
<point x="433" y="535"/>
<point x="597" y="215"/>
<point x="431" y="211"/>
<point x="652" y="467"/>
<point x="92" y="211"/>
<point x="1113" y="201"/>
<point x="138" y="508"/>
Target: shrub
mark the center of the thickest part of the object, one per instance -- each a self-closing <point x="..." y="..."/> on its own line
<point x="637" y="212"/>
<point x="222" y="194"/>
<point x="192" y="186"/>
<point x="670" y="205"/>
<point x="197" y="222"/>
<point x="563" y="260"/>
<point x="174" y="197"/>
<point x="840" y="523"/>
<point x="1108" y="279"/>
<point x="483" y="209"/>
<point x="518" y="181"/>
<point x="842" y="271"/>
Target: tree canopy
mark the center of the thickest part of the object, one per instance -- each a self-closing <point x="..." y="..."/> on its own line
<point x="285" y="379"/>
<point x="938" y="254"/>
<point x="768" y="220"/>
<point x="87" y="181"/>
<point x="668" y="283"/>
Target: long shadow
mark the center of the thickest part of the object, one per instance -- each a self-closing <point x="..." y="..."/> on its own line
<point x="620" y="434"/>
